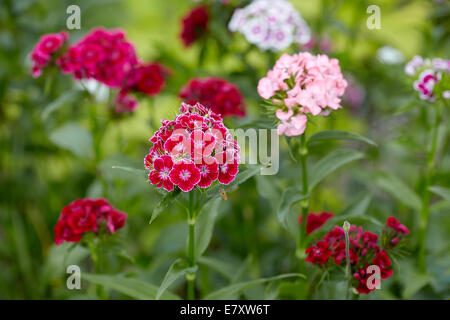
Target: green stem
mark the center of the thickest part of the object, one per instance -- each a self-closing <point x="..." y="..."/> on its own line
<point x="190" y="277"/>
<point x="305" y="202"/>
<point x="96" y="261"/>
<point x="425" y="212"/>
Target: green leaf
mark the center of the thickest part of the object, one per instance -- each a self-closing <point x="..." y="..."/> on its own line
<point x="338" y="135"/>
<point x="399" y="190"/>
<point x="62" y="99"/>
<point x="205" y="225"/>
<point x="289" y="197"/>
<point x="224" y="268"/>
<point x="415" y="282"/>
<point x="178" y="269"/>
<point x="138" y="172"/>
<point x="230" y="291"/>
<point x="330" y="163"/>
<point x="441" y="191"/>
<point x="134" y="288"/>
<point x="164" y="203"/>
<point x="72" y="137"/>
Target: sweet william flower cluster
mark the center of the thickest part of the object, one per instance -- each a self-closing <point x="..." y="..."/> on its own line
<point x="215" y="93"/>
<point x="45" y="51"/>
<point x="270" y="24"/>
<point x="433" y="77"/>
<point x="193" y="150"/>
<point x="87" y="215"/>
<point x="302" y="84"/>
<point x="364" y="250"/>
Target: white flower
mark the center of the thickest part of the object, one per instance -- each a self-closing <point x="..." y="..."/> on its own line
<point x="389" y="55"/>
<point x="270" y="24"/>
<point x="255" y="30"/>
<point x="281" y="38"/>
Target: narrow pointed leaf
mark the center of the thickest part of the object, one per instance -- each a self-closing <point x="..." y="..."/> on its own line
<point x="133" y="288"/>
<point x="399" y="190"/>
<point x="164" y="203"/>
<point x="338" y="135"/>
<point x="330" y="163"/>
<point x="177" y="269"/>
<point x="205" y="225"/>
<point x="441" y="191"/>
<point x="289" y="197"/>
<point x="230" y="291"/>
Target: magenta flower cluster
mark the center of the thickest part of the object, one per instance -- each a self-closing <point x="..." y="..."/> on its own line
<point x="193" y="150"/>
<point x="105" y="56"/>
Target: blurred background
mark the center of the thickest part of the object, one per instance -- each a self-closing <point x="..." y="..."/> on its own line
<point x="43" y="169"/>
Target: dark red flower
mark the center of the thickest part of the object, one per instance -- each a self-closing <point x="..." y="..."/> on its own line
<point x="315" y="220"/>
<point x="217" y="94"/>
<point x="318" y="254"/>
<point x="393" y="223"/>
<point x="150" y="78"/>
<point x="63" y="232"/>
<point x="382" y="260"/>
<point x="115" y="220"/>
<point x="86" y="215"/>
<point x="195" y="24"/>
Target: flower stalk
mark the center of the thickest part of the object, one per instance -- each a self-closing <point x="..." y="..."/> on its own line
<point x="305" y="202"/>
<point x="425" y="212"/>
<point x="190" y="277"/>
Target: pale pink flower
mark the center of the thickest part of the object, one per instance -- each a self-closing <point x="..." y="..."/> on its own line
<point x="305" y="84"/>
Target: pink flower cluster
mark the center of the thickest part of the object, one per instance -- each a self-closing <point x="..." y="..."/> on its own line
<point x="302" y="84"/>
<point x="430" y="82"/>
<point x="193" y="150"/>
<point x="45" y="50"/>
<point x="363" y="251"/>
<point x="85" y="215"/>
<point x="105" y="56"/>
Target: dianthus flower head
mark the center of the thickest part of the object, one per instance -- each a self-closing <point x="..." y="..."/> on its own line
<point x="364" y="250"/>
<point x="394" y="224"/>
<point x="103" y="55"/>
<point x="433" y="77"/>
<point x="302" y="84"/>
<point x="193" y="150"/>
<point x="194" y="25"/>
<point x="86" y="215"/>
<point x="215" y="93"/>
<point x="45" y="50"/>
<point x="270" y="24"/>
